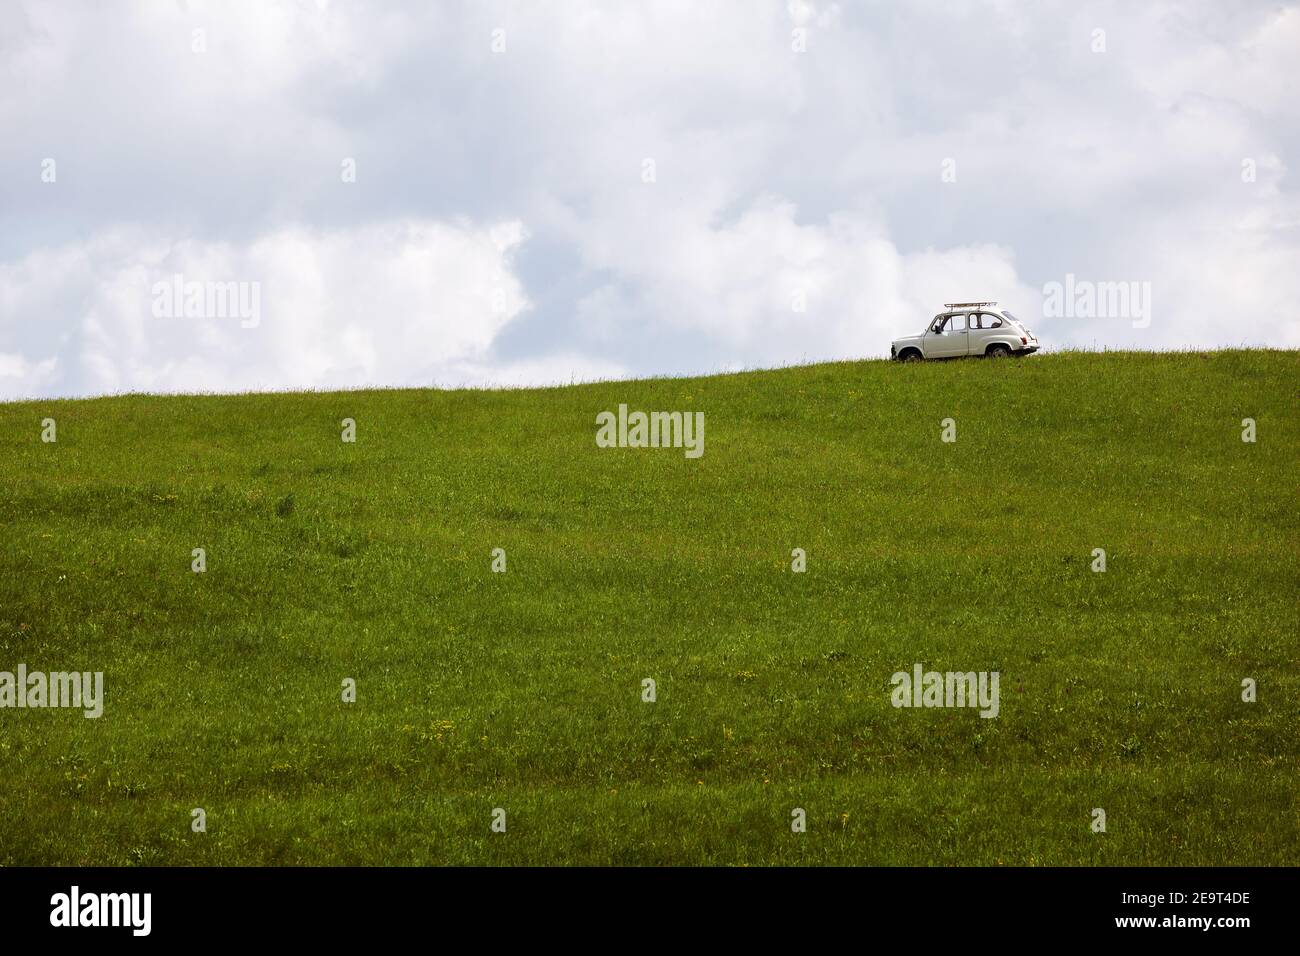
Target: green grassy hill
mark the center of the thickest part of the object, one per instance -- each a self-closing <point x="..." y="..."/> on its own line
<point x="523" y="690"/>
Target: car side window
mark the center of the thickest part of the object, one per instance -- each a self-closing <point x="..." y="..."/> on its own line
<point x="956" y="323"/>
<point x="988" y="321"/>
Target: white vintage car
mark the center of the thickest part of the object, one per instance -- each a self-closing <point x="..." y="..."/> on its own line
<point x="967" y="328"/>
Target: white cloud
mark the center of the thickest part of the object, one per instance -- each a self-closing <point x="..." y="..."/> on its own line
<point x="778" y="172"/>
<point x="400" y="303"/>
<point x="769" y="290"/>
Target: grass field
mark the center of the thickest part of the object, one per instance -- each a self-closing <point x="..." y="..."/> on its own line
<point x="523" y="690"/>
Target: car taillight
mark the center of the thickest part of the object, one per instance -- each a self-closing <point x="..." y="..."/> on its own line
<point x="1023" y="340"/>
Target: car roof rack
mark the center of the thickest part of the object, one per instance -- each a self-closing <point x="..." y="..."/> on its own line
<point x="966" y="305"/>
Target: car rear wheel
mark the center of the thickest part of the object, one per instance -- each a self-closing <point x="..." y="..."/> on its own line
<point x="998" y="351"/>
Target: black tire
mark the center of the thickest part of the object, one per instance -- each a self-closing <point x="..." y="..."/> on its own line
<point x="998" y="351"/>
<point x="910" y="355"/>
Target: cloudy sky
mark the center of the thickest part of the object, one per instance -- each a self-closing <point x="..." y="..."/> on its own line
<point x="515" y="193"/>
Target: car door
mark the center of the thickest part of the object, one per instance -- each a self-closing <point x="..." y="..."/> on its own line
<point x="950" y="340"/>
<point x="983" y="328"/>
